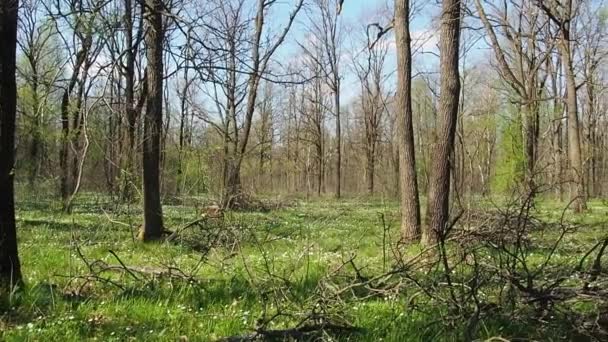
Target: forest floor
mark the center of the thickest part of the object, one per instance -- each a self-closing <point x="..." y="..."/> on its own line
<point x="319" y="263"/>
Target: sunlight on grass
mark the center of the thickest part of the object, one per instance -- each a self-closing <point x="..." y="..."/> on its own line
<point x="302" y="245"/>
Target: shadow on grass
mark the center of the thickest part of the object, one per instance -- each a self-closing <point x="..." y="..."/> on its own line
<point x="54" y="225"/>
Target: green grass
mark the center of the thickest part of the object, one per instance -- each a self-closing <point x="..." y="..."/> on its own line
<point x="299" y="245"/>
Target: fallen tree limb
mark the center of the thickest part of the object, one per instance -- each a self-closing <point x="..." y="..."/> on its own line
<point x="180" y="230"/>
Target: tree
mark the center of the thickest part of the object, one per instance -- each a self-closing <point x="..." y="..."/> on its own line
<point x="259" y="64"/>
<point x="265" y="134"/>
<point x="410" y="203"/>
<point x="37" y="72"/>
<point x="439" y="182"/>
<point x="327" y="39"/>
<point x="228" y="43"/>
<point x="520" y="58"/>
<point x="10" y="269"/>
<point x="372" y="76"/>
<point x="84" y="46"/>
<point x="132" y="112"/>
<point x="313" y="111"/>
<point x="153" y="122"/>
<point x="594" y="54"/>
<point x="561" y="14"/>
<point x="185" y="134"/>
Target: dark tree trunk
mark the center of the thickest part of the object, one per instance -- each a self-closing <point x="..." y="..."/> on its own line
<point x="182" y="132"/>
<point x="66" y="182"/>
<point x="153" y="123"/>
<point x="37" y="143"/>
<point x="130" y="111"/>
<point x="75" y="138"/>
<point x="439" y="181"/>
<point x="10" y="270"/>
<point x="64" y="151"/>
<point x="233" y="184"/>
<point x="320" y="169"/>
<point x="530" y="118"/>
<point x="593" y="141"/>
<point x="369" y="172"/>
<point x="410" y="203"/>
<point x="338" y="137"/>
<point x="110" y="152"/>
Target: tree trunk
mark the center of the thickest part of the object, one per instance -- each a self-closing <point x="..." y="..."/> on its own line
<point x="439" y="182"/>
<point x="64" y="155"/>
<point x="556" y="139"/>
<point x="66" y="183"/>
<point x="233" y="183"/>
<point x="75" y="141"/>
<point x="10" y="269"/>
<point x="320" y="168"/>
<point x="37" y="142"/>
<point x="338" y="137"/>
<point x="369" y="171"/>
<point x="153" y="123"/>
<point x="131" y="113"/>
<point x="563" y="17"/>
<point x="410" y="203"/>
<point x="182" y="133"/>
<point x="592" y="183"/>
<point x="530" y="126"/>
<point x="574" y="140"/>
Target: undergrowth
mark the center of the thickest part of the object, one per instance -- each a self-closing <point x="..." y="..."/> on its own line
<point x="281" y="261"/>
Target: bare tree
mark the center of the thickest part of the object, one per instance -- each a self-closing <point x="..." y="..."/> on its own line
<point x="132" y="40"/>
<point x="372" y="77"/>
<point x="10" y="269"/>
<point x="291" y="137"/>
<point x="39" y="72"/>
<point x="519" y="61"/>
<point x="327" y="39"/>
<point x="594" y="53"/>
<point x="83" y="46"/>
<point x="185" y="129"/>
<point x="265" y="134"/>
<point x="439" y="182"/>
<point x="563" y="14"/>
<point x="259" y="64"/>
<point x="313" y="111"/>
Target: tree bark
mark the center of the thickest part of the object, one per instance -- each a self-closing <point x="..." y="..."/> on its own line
<point x="574" y="140"/>
<point x="410" y="203"/>
<point x="37" y="144"/>
<point x="556" y="139"/>
<point x="369" y="171"/>
<point x="67" y="135"/>
<point x="563" y="16"/>
<point x="153" y="123"/>
<point x="10" y="269"/>
<point x="131" y="113"/>
<point x="439" y="182"/>
<point x="183" y="132"/>
<point x="338" y="136"/>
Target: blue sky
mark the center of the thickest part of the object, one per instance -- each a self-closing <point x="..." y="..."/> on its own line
<point x="355" y="15"/>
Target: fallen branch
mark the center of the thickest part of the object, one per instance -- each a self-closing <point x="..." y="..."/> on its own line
<point x="177" y="232"/>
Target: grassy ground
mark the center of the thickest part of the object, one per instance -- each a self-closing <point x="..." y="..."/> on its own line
<point x="278" y="261"/>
